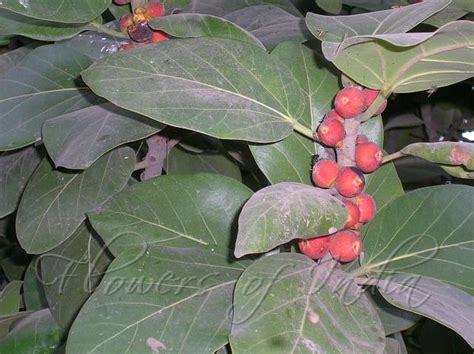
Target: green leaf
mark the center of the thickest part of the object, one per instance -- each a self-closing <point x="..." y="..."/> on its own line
<point x="219" y="87"/>
<point x="421" y="233"/>
<point x="10" y="298"/>
<point x="384" y="185"/>
<point x="95" y="45"/>
<point x="393" y="318"/>
<point x="446" y="153"/>
<point x="77" y="139"/>
<point x="71" y="272"/>
<point x="44" y="85"/>
<point x="198" y="25"/>
<point x="180" y="161"/>
<point x="16" y="168"/>
<point x="223" y="7"/>
<point x="171" y="5"/>
<point x="285" y="211"/>
<point x="331" y="6"/>
<point x="15" y="24"/>
<point x="271" y="24"/>
<point x="54" y="202"/>
<point x="336" y="29"/>
<point x="458" y="171"/>
<point x="118" y="11"/>
<point x="172" y="299"/>
<point x="35" y="333"/>
<point x="433" y="299"/>
<point x="373" y="130"/>
<point x="289" y="160"/>
<point x="445" y="16"/>
<point x="64" y="11"/>
<point x="33" y="292"/>
<point x="7" y="320"/>
<point x="285" y="303"/>
<point x="9" y="59"/>
<point x="428" y="60"/>
<point x="180" y="211"/>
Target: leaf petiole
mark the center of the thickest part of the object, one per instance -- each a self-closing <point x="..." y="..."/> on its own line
<point x="104" y="29"/>
<point x="307" y="132"/>
<point x="395" y="155"/>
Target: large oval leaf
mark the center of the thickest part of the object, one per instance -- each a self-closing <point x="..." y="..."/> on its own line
<point x="223" y="7"/>
<point x="224" y="88"/>
<point x="180" y="161"/>
<point x="426" y="232"/>
<point x="55" y="202"/>
<point x="446" y="153"/>
<point x="271" y="24"/>
<point x="77" y="139"/>
<point x="96" y="45"/>
<point x="9" y="59"/>
<point x="65" y="11"/>
<point x="15" y="24"/>
<point x="10" y="298"/>
<point x="434" y="299"/>
<point x="289" y="160"/>
<point x="44" y="85"/>
<point x="397" y="20"/>
<point x="171" y="299"/>
<point x="283" y="212"/>
<point x="199" y="25"/>
<point x="180" y="211"/>
<point x="286" y="303"/>
<point x="393" y="318"/>
<point x="70" y="273"/>
<point x="384" y="185"/>
<point x="16" y="168"/>
<point x="438" y="60"/>
<point x="33" y="292"/>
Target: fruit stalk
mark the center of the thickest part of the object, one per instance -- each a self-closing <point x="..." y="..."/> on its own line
<point x="394" y="156"/>
<point x="104" y="29"/>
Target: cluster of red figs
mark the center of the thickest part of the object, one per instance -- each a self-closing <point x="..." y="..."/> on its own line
<point x="136" y="24"/>
<point x="348" y="181"/>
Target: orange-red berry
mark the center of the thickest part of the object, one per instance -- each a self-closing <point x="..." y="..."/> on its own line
<point x="350" y="182"/>
<point x="121" y="2"/>
<point x="349" y="102"/>
<point x="360" y="139"/>
<point x="368" y="157"/>
<point x="316" y="247"/>
<point x="331" y="132"/>
<point x="155" y="9"/>
<point x="158" y="36"/>
<point x="324" y="173"/>
<point x="125" y="22"/>
<point x="345" y="246"/>
<point x="353" y="214"/>
<point x="332" y="114"/>
<point x="367" y="207"/>
<point x="370" y="96"/>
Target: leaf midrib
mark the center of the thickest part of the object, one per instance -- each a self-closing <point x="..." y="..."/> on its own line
<point x="291" y="120"/>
